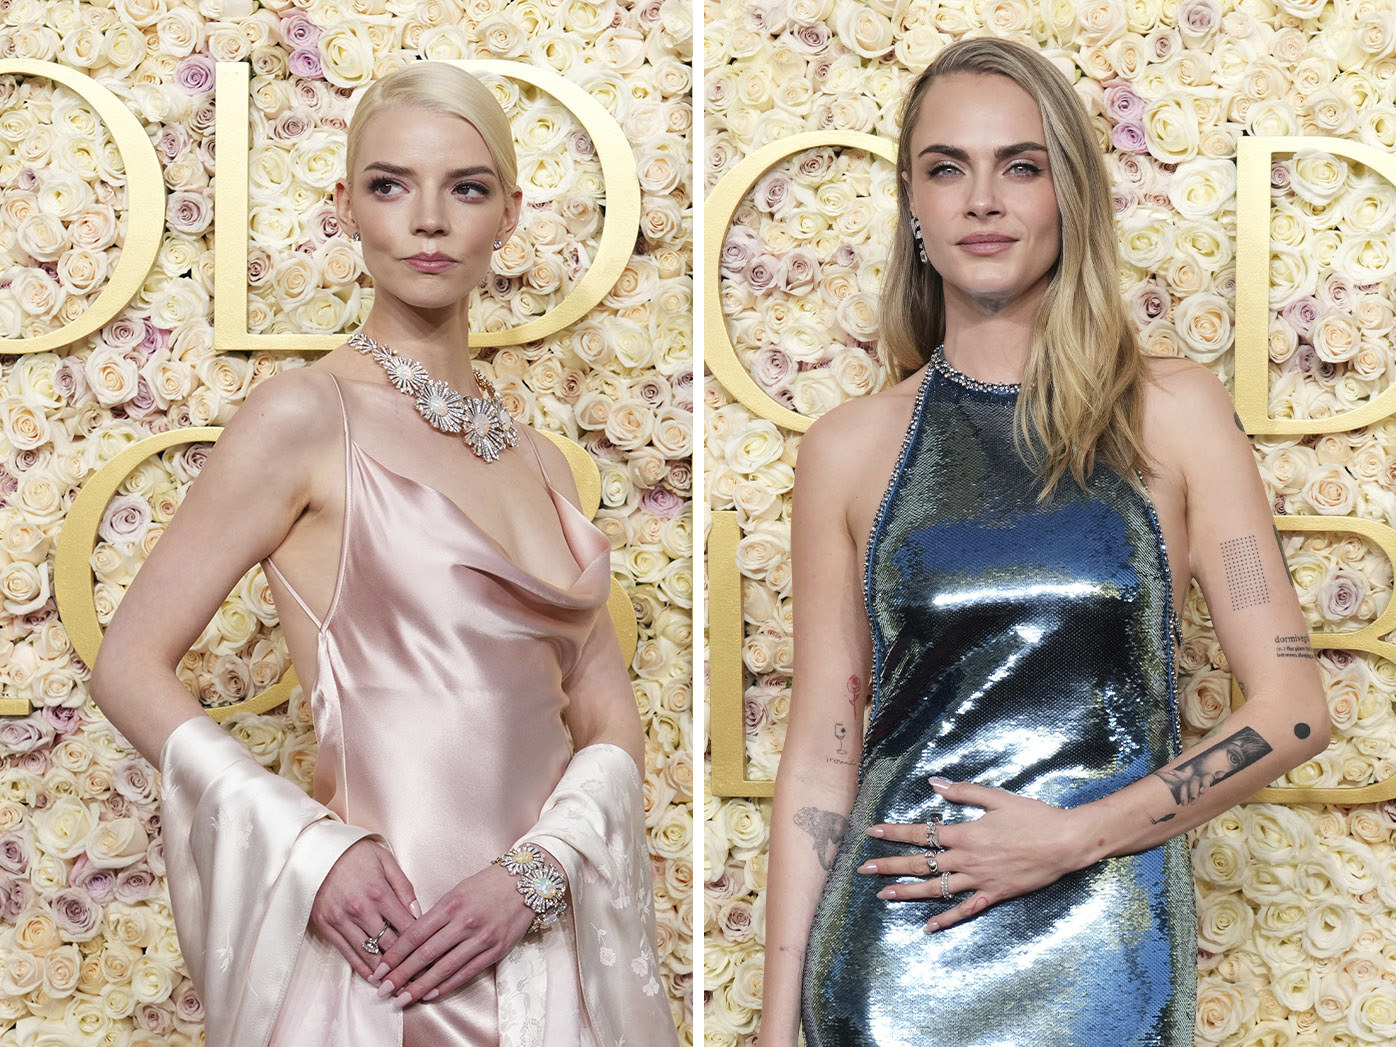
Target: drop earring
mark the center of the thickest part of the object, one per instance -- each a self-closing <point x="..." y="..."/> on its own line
<point x="920" y="244"/>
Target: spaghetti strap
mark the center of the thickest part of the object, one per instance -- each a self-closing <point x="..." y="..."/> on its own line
<point x="268" y="562"/>
<point x="344" y="530"/>
<point x="538" y="457"/>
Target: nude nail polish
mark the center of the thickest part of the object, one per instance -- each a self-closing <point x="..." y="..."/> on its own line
<point x="432" y="995"/>
<point x="868" y="867"/>
<point x="875" y="832"/>
<point x="402" y="999"/>
<point x="415" y="908"/>
<point x="378" y="972"/>
<point x="385" y="990"/>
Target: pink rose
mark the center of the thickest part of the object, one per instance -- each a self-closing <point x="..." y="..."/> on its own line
<point x="195" y="74"/>
<point x="14" y="853"/>
<point x="135" y="884"/>
<point x="126" y="520"/>
<point x="1129" y="137"/>
<point x="78" y="917"/>
<point x="738" y="249"/>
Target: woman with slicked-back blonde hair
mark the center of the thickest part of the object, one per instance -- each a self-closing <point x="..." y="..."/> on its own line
<point x="471" y="870"/>
<point x="1023" y="514"/>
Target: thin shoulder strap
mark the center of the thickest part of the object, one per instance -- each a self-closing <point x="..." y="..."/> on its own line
<point x="343" y="410"/>
<point x="528" y="439"/>
<point x="271" y="564"/>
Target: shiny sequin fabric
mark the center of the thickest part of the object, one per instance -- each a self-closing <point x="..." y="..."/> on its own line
<point x="1028" y="646"/>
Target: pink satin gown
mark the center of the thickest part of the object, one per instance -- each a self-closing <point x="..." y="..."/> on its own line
<point x="438" y="705"/>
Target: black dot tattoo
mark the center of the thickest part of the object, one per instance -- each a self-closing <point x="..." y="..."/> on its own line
<point x="1301" y="730"/>
<point x="1245" y="574"/>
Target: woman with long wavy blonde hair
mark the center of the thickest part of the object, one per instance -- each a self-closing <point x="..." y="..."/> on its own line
<point x="1023" y="514"/>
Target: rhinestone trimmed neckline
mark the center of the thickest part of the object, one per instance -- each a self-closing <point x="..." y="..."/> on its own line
<point x="943" y="368"/>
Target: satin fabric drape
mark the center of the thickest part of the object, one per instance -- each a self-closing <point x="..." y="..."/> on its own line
<point x="247" y="851"/>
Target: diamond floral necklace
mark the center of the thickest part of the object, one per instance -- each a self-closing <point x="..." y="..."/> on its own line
<point x="482" y="421"/>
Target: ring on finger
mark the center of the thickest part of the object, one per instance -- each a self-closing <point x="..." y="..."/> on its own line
<point x="371" y="944"/>
<point x="945" y="884"/>
<point x="933" y="835"/>
<point x="932" y="866"/>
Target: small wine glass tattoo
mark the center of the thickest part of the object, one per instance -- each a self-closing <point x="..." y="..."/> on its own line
<point x="841" y="732"/>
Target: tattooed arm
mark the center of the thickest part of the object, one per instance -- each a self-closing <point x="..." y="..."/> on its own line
<point x="817" y="779"/>
<point x="1235" y="555"/>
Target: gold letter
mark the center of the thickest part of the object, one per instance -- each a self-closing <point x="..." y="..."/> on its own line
<point x="1253" y="288"/>
<point x="721" y="204"/>
<point x="145" y="206"/>
<point x="726" y="724"/>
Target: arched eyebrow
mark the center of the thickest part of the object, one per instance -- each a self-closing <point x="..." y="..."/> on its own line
<point x="1003" y="152"/>
<point x="406" y="172"/>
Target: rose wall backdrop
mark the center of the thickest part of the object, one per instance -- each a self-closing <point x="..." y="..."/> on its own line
<point x="88" y="953"/>
<point x="1297" y="911"/>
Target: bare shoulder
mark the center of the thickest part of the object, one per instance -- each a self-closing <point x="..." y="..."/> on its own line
<point x="1185" y="404"/>
<point x="841" y="442"/>
<point x="296" y="409"/>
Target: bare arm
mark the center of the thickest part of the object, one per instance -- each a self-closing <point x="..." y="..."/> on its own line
<point x="1237" y="562"/>
<point x="818" y="779"/>
<point x="600" y="700"/>
<point x="256" y="483"/>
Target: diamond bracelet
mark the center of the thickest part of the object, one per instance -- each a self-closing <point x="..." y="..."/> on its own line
<point x="543" y="886"/>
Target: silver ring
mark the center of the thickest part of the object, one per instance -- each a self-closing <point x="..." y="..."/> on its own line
<point x="371" y="944"/>
<point x="932" y="866"/>
<point x="933" y="835"/>
<point x="944" y="886"/>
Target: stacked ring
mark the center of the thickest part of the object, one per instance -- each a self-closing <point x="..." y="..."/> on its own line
<point x="933" y="835"/>
<point x="945" y="885"/>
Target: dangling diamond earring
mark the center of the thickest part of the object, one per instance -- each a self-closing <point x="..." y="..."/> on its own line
<point x="916" y="232"/>
<point x="498" y="244"/>
<point x="354" y="237"/>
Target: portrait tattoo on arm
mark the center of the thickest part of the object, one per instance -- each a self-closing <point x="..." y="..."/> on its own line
<point x="1245" y="574"/>
<point x="1229" y="756"/>
<point x="825" y="829"/>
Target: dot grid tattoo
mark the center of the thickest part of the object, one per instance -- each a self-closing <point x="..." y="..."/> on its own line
<point x="1245" y="574"/>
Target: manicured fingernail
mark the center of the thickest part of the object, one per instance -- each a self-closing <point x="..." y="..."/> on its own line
<point x="941" y="783"/>
<point x="868" y="867"/>
<point x="378" y="972"/>
<point x="415" y="908"/>
<point x="402" y="999"/>
<point x="887" y="892"/>
<point x="432" y="995"/>
<point x="930" y="927"/>
<point x="385" y="990"/>
<point x="875" y="831"/>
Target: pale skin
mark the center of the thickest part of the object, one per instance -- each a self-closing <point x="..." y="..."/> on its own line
<point x="273" y="486"/>
<point x="993" y="180"/>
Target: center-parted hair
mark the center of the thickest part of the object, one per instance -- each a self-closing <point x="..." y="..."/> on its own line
<point x="1082" y="391"/>
<point x="440" y="88"/>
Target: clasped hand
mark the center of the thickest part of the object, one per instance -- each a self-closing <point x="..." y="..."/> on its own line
<point x="424" y="955"/>
<point x="1017" y="845"/>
